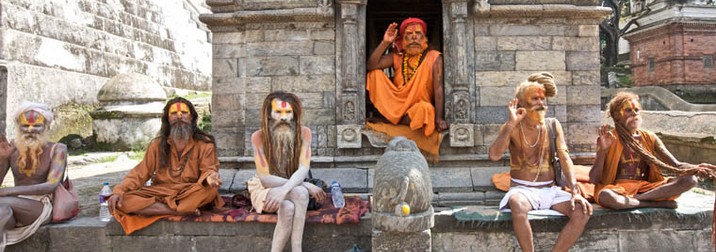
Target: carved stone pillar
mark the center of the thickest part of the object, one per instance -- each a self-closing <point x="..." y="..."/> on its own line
<point x="350" y="72"/>
<point x="458" y="72"/>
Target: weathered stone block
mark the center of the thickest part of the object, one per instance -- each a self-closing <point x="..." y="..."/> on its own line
<point x="256" y="85"/>
<point x="451" y="179"/>
<point x="272" y="66"/>
<point x="317" y="65"/>
<point x="485" y="43"/>
<point x="349" y="136"/>
<point x="285" y="35"/>
<point x="514" y="78"/>
<point x="576" y="44"/>
<point x="586" y="78"/>
<point x="323" y="116"/>
<point x="580" y="133"/>
<point x="507" y="29"/>
<point x="583" y="113"/>
<point x="541" y="60"/>
<point x="588" y="31"/>
<point x="229" y="141"/>
<point x="495" y="60"/>
<point x="224" y="243"/>
<point x="394" y="241"/>
<point x="351" y="179"/>
<point x="324" y="48"/>
<point x="482" y="177"/>
<point x="282" y="48"/>
<point x="225" y="68"/>
<point x="666" y="240"/>
<point x="492" y="115"/>
<point x="229" y="51"/>
<point x="462" y="135"/>
<point x="479" y="138"/>
<point x="581" y="60"/>
<point x="304" y="83"/>
<point x="150" y="243"/>
<point x="496" y="96"/>
<point x="525" y="43"/>
<point x="583" y="95"/>
<point x="490" y="132"/>
<point x="322" y="34"/>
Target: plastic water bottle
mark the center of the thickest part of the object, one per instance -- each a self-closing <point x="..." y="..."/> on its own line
<point x="337" y="195"/>
<point x="104" y="215"/>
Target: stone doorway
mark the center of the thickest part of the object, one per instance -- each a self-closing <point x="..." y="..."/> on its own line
<point x="379" y="16"/>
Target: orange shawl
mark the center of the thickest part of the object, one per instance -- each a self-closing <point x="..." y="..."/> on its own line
<point x="611" y="163"/>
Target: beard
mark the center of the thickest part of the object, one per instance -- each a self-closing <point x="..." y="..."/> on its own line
<point x="537" y="113"/>
<point x="415" y="48"/>
<point x="30" y="147"/>
<point x="632" y="123"/>
<point x="181" y="131"/>
<point x="282" y="142"/>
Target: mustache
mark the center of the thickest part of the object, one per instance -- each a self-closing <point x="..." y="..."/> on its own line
<point x="539" y="108"/>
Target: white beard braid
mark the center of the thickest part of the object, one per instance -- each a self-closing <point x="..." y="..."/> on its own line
<point x="30" y="150"/>
<point x="282" y="140"/>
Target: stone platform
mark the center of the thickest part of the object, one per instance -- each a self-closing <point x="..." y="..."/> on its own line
<point x="668" y="230"/>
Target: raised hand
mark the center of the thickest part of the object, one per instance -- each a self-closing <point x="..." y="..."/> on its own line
<point x="606" y="138"/>
<point x="391" y="33"/>
<point x="516" y="114"/>
<point x="6" y="148"/>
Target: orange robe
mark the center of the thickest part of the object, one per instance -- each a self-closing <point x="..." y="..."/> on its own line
<point x="629" y="187"/>
<point x="396" y="98"/>
<point x="183" y="191"/>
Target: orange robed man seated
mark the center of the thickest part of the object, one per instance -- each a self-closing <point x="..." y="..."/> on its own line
<point x="183" y="166"/>
<point x="415" y="95"/>
<point x="627" y="169"/>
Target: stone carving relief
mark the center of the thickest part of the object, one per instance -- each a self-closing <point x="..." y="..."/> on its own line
<point x="349" y="136"/>
<point x="349" y="111"/>
<point x="462" y="135"/>
<point x="325" y="5"/>
<point x="482" y="7"/>
<point x="462" y="107"/>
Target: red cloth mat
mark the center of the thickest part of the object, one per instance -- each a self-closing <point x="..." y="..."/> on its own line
<point x="351" y="213"/>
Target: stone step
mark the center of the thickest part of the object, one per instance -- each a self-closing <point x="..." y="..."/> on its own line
<point x="360" y="180"/>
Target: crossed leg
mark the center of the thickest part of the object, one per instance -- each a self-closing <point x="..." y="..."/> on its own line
<point x="14" y="209"/>
<point x="674" y="186"/>
<point x="291" y="220"/>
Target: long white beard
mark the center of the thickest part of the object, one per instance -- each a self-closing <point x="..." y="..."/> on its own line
<point x="181" y="131"/>
<point x="30" y="148"/>
<point x="282" y="140"/>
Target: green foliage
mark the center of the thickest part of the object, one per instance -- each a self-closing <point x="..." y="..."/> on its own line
<point x="205" y="122"/>
<point x="137" y="154"/>
<point x="107" y="159"/>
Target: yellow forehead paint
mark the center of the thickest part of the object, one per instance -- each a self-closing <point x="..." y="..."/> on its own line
<point x="179" y="107"/>
<point x="32" y="118"/>
<point x="630" y="104"/>
<point x="280" y="106"/>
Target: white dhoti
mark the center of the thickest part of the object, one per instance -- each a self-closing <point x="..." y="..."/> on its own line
<point x="540" y="196"/>
<point x="21" y="233"/>
<point x="258" y="193"/>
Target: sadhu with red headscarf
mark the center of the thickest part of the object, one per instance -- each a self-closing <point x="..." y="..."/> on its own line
<point x="412" y="102"/>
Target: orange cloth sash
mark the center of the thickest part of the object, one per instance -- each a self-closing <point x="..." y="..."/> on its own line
<point x="396" y="98"/>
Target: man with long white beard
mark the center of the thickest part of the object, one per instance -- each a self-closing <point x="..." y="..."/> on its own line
<point x="183" y="166"/>
<point x="533" y="178"/>
<point x="37" y="166"/>
<point x="282" y="154"/>
<point x="627" y="170"/>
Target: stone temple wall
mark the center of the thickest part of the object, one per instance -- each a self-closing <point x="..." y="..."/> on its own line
<point x="60" y="52"/>
<point x="316" y="49"/>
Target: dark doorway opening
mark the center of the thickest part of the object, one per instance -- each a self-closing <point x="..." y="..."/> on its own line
<point x="380" y="14"/>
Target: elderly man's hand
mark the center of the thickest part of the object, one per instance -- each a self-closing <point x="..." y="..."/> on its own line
<point x="114" y="201"/>
<point x="213" y="180"/>
<point x="391" y="33"/>
<point x="440" y="125"/>
<point x="6" y="148"/>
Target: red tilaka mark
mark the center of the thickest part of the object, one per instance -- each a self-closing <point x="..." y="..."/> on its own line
<point x="261" y="157"/>
<point x="540" y="92"/>
<point x="633" y="104"/>
<point x="178" y="106"/>
<point x="31" y="117"/>
<point x="283" y="104"/>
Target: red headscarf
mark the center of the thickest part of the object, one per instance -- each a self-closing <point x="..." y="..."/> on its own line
<point x="403" y="25"/>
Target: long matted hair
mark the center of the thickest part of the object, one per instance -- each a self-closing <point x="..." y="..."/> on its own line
<point x="165" y="131"/>
<point x="266" y="132"/>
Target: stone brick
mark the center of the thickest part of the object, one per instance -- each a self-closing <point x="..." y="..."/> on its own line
<point x="258" y="84"/>
<point x="491" y="115"/>
<point x="229" y="51"/>
<point x="324" y="48"/>
<point x="581" y="60"/>
<point x="282" y="48"/>
<point x="576" y="44"/>
<point x="581" y="95"/>
<point x="396" y="241"/>
<point x="322" y="34"/>
<point x="485" y="43"/>
<point x="665" y="240"/>
<point x="304" y="83"/>
<point x="220" y="38"/>
<point x="583" y="113"/>
<point x="580" y="133"/>
<point x="324" y="116"/>
<point x="495" y="96"/>
<point x="451" y="179"/>
<point x="222" y="243"/>
<point x="272" y="66"/>
<point x="224" y="68"/>
<point x="482" y="176"/>
<point x="351" y="179"/>
<point x="285" y="35"/>
<point x="317" y="65"/>
<point x="586" y="78"/>
<point x="524" y="43"/>
<point x="491" y="131"/>
<point x="311" y="100"/>
<point x="514" y="78"/>
<point x="588" y="31"/>
<point x="229" y="141"/>
<point x="495" y="60"/>
<point x="540" y="60"/>
<point x="150" y="243"/>
<point x="479" y="138"/>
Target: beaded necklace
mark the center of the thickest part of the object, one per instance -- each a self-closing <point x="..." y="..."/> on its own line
<point x="408" y="70"/>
